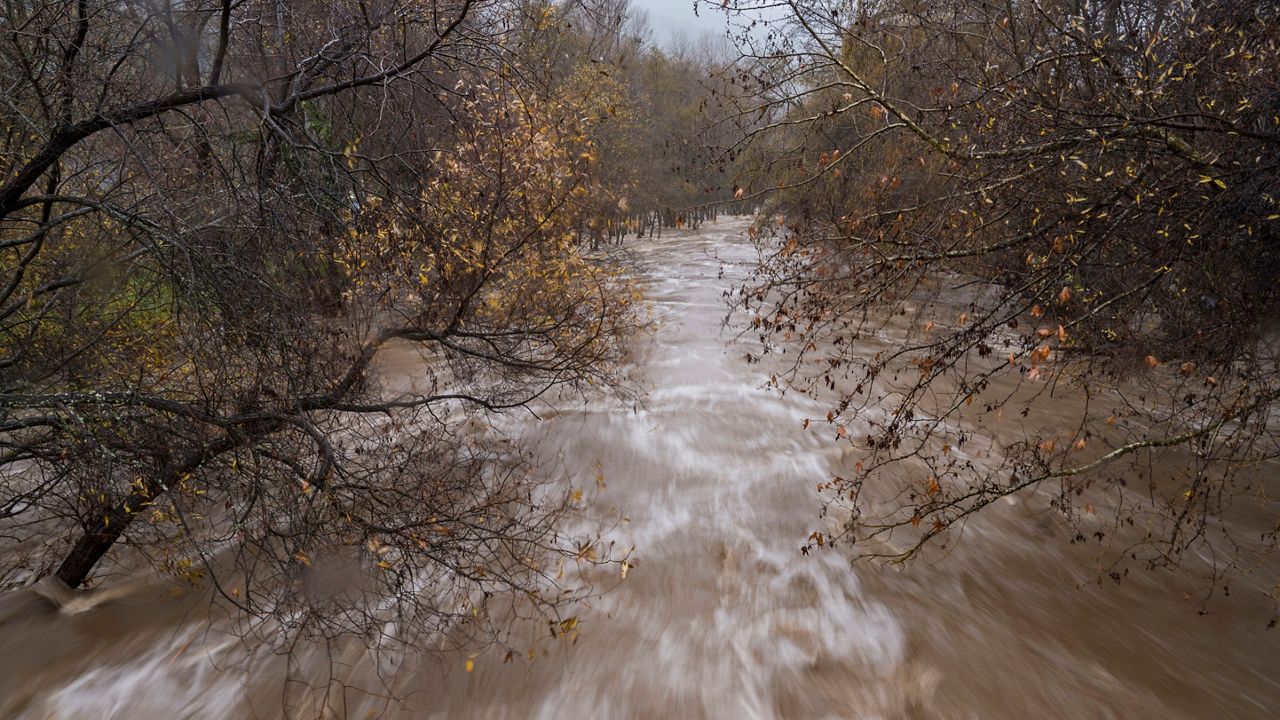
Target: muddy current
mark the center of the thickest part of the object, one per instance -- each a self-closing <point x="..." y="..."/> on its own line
<point x="712" y="480"/>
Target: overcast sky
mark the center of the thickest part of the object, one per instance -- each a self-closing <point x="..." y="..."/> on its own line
<point x="668" y="17"/>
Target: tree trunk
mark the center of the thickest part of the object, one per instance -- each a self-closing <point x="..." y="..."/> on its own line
<point x="97" y="540"/>
<point x="93" y="546"/>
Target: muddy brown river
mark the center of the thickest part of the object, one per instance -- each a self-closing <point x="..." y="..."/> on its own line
<point x="722" y="616"/>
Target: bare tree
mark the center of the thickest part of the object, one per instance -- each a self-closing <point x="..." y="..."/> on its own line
<point x="218" y="220"/>
<point x="994" y="207"/>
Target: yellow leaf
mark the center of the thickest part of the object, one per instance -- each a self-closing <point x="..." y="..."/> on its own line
<point x="471" y="665"/>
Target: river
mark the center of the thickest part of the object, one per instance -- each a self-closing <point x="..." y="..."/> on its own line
<point x="713" y="479"/>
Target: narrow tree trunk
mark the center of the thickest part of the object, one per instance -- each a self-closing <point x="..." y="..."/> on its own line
<point x="93" y="546"/>
<point x="96" y="541"/>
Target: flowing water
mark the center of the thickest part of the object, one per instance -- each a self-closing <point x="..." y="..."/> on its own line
<point x="722" y="616"/>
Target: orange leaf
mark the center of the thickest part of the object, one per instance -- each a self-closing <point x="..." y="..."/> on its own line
<point x="1151" y="361"/>
<point x="1065" y="295"/>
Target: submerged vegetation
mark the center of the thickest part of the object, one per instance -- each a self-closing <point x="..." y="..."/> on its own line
<point x="1017" y="206"/>
<point x="219" y="219"/>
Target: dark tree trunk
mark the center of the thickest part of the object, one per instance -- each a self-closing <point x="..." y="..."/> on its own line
<point x="97" y="540"/>
<point x="93" y="546"/>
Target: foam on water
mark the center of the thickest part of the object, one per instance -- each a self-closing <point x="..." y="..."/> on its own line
<point x="178" y="679"/>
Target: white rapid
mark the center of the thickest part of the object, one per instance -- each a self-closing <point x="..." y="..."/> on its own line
<point x="722" y="616"/>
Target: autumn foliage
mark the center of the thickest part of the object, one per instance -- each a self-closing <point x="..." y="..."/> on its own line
<point x="269" y="279"/>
